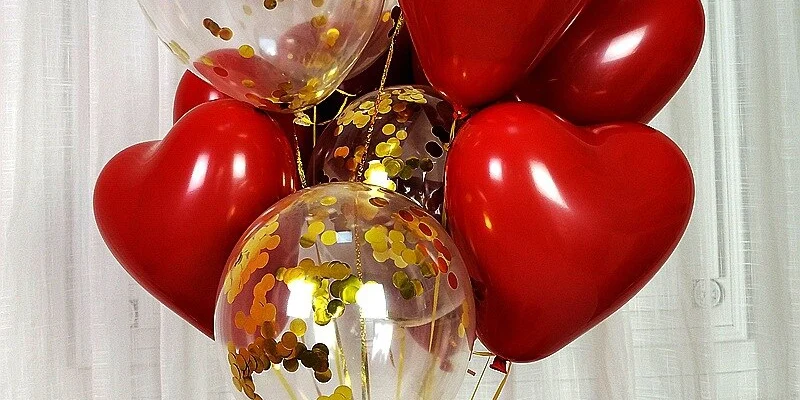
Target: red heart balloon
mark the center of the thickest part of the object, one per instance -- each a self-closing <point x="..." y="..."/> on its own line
<point x="475" y="51"/>
<point x="559" y="225"/>
<point x="193" y="91"/>
<point x="622" y="60"/>
<point x="171" y="211"/>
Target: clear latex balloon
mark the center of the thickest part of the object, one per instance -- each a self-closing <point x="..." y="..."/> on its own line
<point x="280" y="55"/>
<point x="381" y="38"/>
<point x="346" y="291"/>
<point x="410" y="141"/>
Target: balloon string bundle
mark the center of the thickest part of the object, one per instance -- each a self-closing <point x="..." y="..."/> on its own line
<point x="363" y="162"/>
<point x="365" y="392"/>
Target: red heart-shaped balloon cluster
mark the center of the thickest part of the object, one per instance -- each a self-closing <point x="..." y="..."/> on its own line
<point x="560" y="225"/>
<point x="171" y="211"/>
<point x="475" y="51"/>
<point x="621" y="60"/>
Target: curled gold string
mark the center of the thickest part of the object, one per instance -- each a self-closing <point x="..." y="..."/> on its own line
<point x="363" y="163"/>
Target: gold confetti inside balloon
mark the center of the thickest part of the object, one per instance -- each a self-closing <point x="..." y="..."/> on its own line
<point x="278" y="55"/>
<point x="346" y="291"/>
<point x="408" y="148"/>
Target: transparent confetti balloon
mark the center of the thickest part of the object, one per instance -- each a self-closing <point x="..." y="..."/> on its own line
<point x="408" y="149"/>
<point x="279" y="55"/>
<point x="381" y="38"/>
<point x="346" y="291"/>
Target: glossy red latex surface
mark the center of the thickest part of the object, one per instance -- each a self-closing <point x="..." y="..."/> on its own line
<point x="191" y="92"/>
<point x="171" y="211"/>
<point x="622" y="60"/>
<point x="475" y="51"/>
<point x="560" y="225"/>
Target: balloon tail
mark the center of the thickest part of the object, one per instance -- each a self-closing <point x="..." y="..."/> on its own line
<point x="480" y="379"/>
<point x="502" y="384"/>
<point x="363" y="163"/>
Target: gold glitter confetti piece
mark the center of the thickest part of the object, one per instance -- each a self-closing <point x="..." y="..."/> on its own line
<point x="316" y="228"/>
<point x="329" y="238"/>
<point x="410" y="256"/>
<point x="225" y="34"/>
<point x="246" y="51"/>
<point x="331" y="37"/>
<point x="342" y="151"/>
<point x="319" y="21"/>
<point x="379" y="202"/>
<point x="317" y="3"/>
<point x="270" y="4"/>
<point x="248" y="83"/>
<point x="418" y="288"/>
<point x="396" y="236"/>
<point x="179" y="52"/>
<point x="328" y="200"/>
<point x="399" y="279"/>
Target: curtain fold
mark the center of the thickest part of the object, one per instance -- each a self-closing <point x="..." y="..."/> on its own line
<point x="80" y="80"/>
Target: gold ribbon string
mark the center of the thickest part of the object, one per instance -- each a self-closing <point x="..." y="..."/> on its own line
<point x="314" y="129"/>
<point x="365" y="395"/>
<point x="299" y="161"/>
<point x="285" y="384"/>
<point x="436" y="287"/>
<point x="480" y="379"/>
<point x="363" y="163"/>
<point x="502" y="383"/>
<point x="401" y="366"/>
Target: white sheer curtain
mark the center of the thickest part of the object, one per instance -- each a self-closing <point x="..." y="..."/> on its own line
<point x="82" y="79"/>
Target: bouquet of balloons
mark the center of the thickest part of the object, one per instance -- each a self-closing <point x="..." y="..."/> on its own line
<point x="354" y="190"/>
